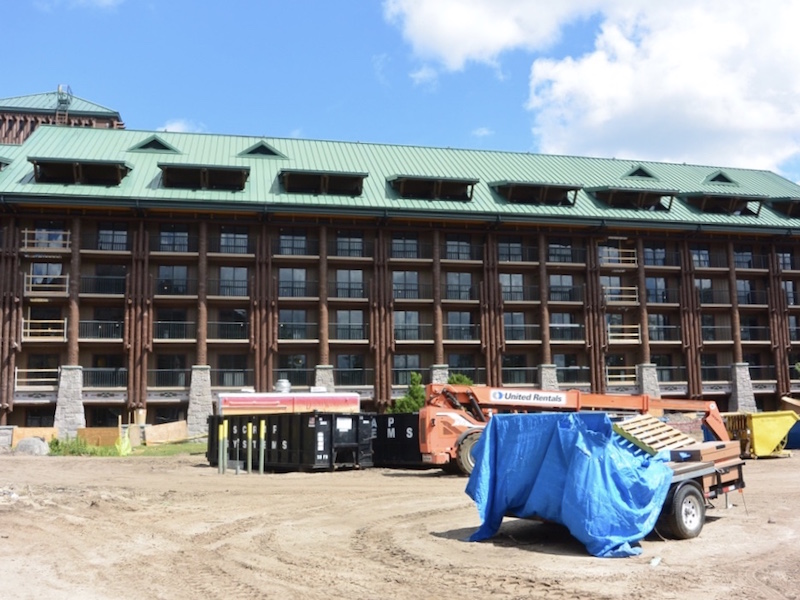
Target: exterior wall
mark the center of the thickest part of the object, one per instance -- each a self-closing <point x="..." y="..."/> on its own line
<point x="155" y="296"/>
<point x="16" y="127"/>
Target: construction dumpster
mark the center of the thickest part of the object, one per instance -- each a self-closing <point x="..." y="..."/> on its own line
<point x="396" y="440"/>
<point x="761" y="434"/>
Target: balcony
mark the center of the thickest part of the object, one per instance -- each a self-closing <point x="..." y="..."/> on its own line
<point x="665" y="333"/>
<point x="755" y="334"/>
<point x="616" y="257"/>
<point x="719" y="296"/>
<point x="298" y="289"/>
<point x="758" y="297"/>
<point x="103" y="286"/>
<point x="558" y="254"/>
<point x="567" y="332"/>
<point x="175" y="330"/>
<point x="45" y="240"/>
<point x="176" y="287"/>
<point x="350" y="248"/>
<point x="751" y="261"/>
<point x="353" y="377"/>
<point x="295" y="246"/>
<point x="406" y="249"/>
<point x="44" y="330"/>
<point x="706" y="260"/>
<point x="522" y="333"/>
<point x="36" y="378"/>
<point x="105" y="378"/>
<point x="461" y="252"/>
<point x="232" y="378"/>
<point x="462" y="333"/>
<point x="671" y="374"/>
<point x="476" y="374"/>
<point x="298" y="331"/>
<point x="412" y="291"/>
<point x="403" y="376"/>
<point x="520" y="293"/>
<point x="520" y="375"/>
<point x="566" y="293"/>
<point x="230" y="288"/>
<point x="346" y="290"/>
<point x="460" y="292"/>
<point x="101" y="330"/>
<point x="350" y="332"/>
<point x="573" y="375"/>
<point x="665" y="296"/>
<point x="46" y="285"/>
<point x="715" y="373"/>
<point x="174" y="243"/>
<point x="514" y="253"/>
<point x="762" y="373"/>
<point x="296" y="376"/>
<point x="228" y="330"/>
<point x="169" y="378"/>
<point x="404" y="333"/>
<point x="718" y="333"/>
<point x="107" y="241"/>
<point x="625" y="375"/>
<point x="656" y="257"/>
<point x="620" y="294"/>
<point x="629" y="334"/>
<point x="234" y="244"/>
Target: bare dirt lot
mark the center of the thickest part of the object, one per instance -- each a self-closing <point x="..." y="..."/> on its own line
<point x="173" y="528"/>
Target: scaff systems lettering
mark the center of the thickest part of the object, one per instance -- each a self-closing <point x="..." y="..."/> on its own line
<point x="529" y="396"/>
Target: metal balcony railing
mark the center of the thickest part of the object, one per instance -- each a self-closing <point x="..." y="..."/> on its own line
<point x="109" y="241"/>
<point x="567" y="332"/>
<point x="351" y="248"/>
<point x="39" y="239"/>
<point x="351" y="377"/>
<point x="625" y="333"/>
<point x="228" y="287"/>
<point x="623" y="294"/>
<point x="655" y="257"/>
<point x="665" y="296"/>
<point x="175" y="330"/>
<point x="297" y="376"/>
<point x="513" y="253"/>
<point x="54" y="330"/>
<point x="176" y="287"/>
<point x="108" y="286"/>
<point x="762" y="372"/>
<point x="519" y="293"/>
<point x="460" y="292"/>
<point x="228" y="330"/>
<point x="173" y="242"/>
<point x="665" y="333"/>
<point x="671" y="374"/>
<point x="101" y="330"/>
<point x="347" y="290"/>
<point x="232" y="378"/>
<point x="46" y="285"/>
<point x="403" y="376"/>
<point x="716" y="333"/>
<point x="462" y="332"/>
<point x="105" y="378"/>
<point x="558" y="254"/>
<point x="476" y="374"/>
<point x="713" y="260"/>
<point x="412" y="291"/>
<point x="298" y="331"/>
<point x="235" y="244"/>
<point x="520" y="375"/>
<point x="344" y="331"/>
<point x="755" y="334"/>
<point x="298" y="289"/>
<point x="715" y="373"/>
<point x="719" y="296"/>
<point x="405" y="249"/>
<point x="625" y="375"/>
<point x="751" y="261"/>
<point x="612" y="257"/>
<point x="566" y="293"/>
<point x="519" y="333"/>
<point x="295" y="246"/>
<point x="180" y="378"/>
<point x="573" y="375"/>
<point x="36" y="377"/>
<point x="450" y="251"/>
<point x="421" y="331"/>
<point x="752" y="297"/>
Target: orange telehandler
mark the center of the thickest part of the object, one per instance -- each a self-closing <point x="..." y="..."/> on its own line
<point x="454" y="415"/>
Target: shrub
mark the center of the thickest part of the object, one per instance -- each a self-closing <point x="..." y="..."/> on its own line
<point x="414" y="398"/>
<point x="459" y="379"/>
<point x="79" y="447"/>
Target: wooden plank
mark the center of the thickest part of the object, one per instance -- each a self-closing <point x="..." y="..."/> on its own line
<point x="652" y="435"/>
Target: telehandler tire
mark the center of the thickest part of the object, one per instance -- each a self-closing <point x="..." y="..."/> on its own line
<point x="464" y="458"/>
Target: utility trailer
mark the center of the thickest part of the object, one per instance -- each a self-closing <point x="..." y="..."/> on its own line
<point x="702" y="471"/>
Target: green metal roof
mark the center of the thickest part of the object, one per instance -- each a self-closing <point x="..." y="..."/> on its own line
<point x="263" y="191"/>
<point x="47" y="102"/>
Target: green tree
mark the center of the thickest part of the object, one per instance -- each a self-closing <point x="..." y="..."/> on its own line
<point x="459" y="379"/>
<point x="413" y="399"/>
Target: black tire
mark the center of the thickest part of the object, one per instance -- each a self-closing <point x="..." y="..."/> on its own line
<point x="688" y="513"/>
<point x="464" y="458"/>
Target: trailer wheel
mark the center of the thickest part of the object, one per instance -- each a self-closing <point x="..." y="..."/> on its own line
<point x="464" y="458"/>
<point x="688" y="513"/>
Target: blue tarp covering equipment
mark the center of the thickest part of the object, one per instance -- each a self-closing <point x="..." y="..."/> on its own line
<point x="572" y="469"/>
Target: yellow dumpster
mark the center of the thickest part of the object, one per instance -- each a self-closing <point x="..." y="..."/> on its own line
<point x="761" y="434"/>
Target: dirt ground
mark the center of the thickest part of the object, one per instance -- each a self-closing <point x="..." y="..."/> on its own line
<point x="173" y="528"/>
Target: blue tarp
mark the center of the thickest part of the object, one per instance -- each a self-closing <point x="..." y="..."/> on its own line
<point x="572" y="469"/>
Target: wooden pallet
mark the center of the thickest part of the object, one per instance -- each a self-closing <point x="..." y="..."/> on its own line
<point x="652" y="435"/>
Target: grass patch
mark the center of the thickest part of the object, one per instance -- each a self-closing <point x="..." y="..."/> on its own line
<point x="79" y="447"/>
<point x="174" y="449"/>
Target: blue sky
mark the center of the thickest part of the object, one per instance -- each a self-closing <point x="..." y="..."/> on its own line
<point x="701" y="81"/>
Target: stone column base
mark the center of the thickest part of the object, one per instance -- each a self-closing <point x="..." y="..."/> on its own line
<point x="323" y="377"/>
<point x="201" y="403"/>
<point x="548" y="377"/>
<point x="439" y="374"/>
<point x="742" y="397"/>
<point x="70" y="415"/>
<point x="647" y="380"/>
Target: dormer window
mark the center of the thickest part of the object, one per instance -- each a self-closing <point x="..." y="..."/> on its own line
<point x="79" y="171"/>
<point x="637" y="199"/>
<point x="262" y="149"/>
<point x="720" y="177"/>
<point x="640" y="172"/>
<point x="432" y="188"/>
<point x="203" y="177"/>
<point x="154" y="144"/>
<point x="322" y="182"/>
<point x="726" y="204"/>
<point x="538" y="194"/>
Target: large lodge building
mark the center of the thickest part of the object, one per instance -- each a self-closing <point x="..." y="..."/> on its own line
<point x="144" y="272"/>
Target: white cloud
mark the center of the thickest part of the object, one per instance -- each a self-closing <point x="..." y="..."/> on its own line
<point x="425" y="75"/>
<point x="687" y="80"/>
<point x="379" y="64"/>
<point x="182" y="126"/>
<point x="482" y="132"/>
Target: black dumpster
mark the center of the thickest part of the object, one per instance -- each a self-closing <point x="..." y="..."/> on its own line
<point x="396" y="442"/>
